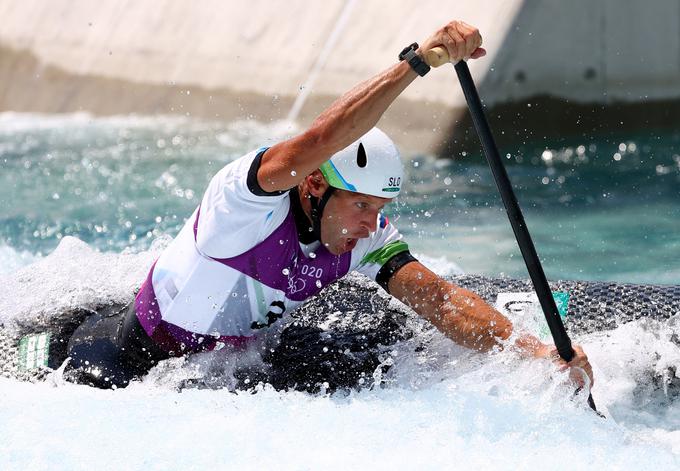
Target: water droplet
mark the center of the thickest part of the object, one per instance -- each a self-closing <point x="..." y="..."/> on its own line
<point x="280" y="241"/>
<point x="293" y="173"/>
<point x="447" y="181"/>
<point x="312" y="254"/>
<point x="344" y="231"/>
<point x="285" y="271"/>
<point x="318" y="283"/>
<point x="325" y="349"/>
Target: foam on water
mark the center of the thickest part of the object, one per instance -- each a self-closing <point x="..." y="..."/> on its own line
<point x="11" y="259"/>
<point x="73" y="276"/>
<point x="440" y="265"/>
<point x="443" y="406"/>
<point x="501" y="414"/>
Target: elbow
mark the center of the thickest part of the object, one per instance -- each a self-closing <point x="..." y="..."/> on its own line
<point x="321" y="137"/>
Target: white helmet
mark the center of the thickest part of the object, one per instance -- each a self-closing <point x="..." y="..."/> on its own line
<point x="370" y="165"/>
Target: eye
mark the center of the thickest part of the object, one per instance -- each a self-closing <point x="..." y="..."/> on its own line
<point x="361" y="205"/>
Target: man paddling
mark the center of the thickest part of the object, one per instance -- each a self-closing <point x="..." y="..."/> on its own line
<point x="278" y="225"/>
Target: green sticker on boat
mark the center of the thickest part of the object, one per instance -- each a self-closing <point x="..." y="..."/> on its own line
<point x="562" y="300"/>
<point x="34" y="351"/>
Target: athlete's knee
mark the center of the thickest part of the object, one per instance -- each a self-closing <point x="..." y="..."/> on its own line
<point x="94" y="353"/>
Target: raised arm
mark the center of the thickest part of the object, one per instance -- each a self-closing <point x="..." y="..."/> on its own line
<point x="285" y="164"/>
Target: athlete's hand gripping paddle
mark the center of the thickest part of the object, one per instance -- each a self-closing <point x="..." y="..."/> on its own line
<point x="436" y="57"/>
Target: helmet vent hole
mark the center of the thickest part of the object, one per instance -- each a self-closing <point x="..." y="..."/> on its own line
<point x="361" y="156"/>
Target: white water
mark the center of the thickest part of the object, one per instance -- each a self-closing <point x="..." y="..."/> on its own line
<point x="444" y="408"/>
<point x="11" y="260"/>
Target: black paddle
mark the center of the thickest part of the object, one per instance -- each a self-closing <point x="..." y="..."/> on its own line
<point x="436" y="57"/>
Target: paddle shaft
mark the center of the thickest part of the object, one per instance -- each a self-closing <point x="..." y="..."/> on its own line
<point x="519" y="227"/>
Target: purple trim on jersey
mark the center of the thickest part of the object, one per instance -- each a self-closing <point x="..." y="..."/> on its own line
<point x="171" y="338"/>
<point x="198" y="213"/>
<point x="279" y="262"/>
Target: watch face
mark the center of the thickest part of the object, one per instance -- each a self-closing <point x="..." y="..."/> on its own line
<point x="404" y="52"/>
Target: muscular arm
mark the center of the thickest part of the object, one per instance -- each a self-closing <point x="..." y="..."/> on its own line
<point x="347" y="119"/>
<point x="460" y="314"/>
<point x="286" y="164"/>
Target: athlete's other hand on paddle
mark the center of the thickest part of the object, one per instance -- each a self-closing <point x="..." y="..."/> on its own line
<point x="460" y="40"/>
<point x="579" y="364"/>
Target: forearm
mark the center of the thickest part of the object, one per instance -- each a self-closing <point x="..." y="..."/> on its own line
<point x="460" y="314"/>
<point x="358" y="110"/>
<point x="467" y="319"/>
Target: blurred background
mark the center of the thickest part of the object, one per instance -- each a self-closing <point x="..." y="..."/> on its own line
<point x="114" y="115"/>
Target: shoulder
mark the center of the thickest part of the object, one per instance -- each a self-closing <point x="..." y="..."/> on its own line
<point x="239" y="178"/>
<point x="233" y="214"/>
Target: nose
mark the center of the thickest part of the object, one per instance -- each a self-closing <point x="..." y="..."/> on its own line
<point x="370" y="221"/>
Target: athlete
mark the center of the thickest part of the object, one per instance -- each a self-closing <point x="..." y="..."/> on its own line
<point x="278" y="225"/>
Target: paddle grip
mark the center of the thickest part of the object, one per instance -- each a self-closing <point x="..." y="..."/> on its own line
<point x="436" y="56"/>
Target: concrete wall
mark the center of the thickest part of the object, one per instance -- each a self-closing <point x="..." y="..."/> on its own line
<point x="260" y="46"/>
<point x="590" y="51"/>
<point x="229" y="59"/>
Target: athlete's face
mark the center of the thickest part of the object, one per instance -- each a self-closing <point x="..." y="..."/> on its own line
<point x="347" y="218"/>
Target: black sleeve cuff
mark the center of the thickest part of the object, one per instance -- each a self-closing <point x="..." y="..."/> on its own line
<point x="252" y="182"/>
<point x="392" y="266"/>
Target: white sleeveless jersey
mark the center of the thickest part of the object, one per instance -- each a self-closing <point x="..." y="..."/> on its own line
<point x="237" y="265"/>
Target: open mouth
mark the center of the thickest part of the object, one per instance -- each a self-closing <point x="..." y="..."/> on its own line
<point x="350" y="243"/>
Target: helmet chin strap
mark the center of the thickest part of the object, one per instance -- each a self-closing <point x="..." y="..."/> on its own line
<point x="318" y="204"/>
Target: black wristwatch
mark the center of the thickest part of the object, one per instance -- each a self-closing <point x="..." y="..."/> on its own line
<point x="416" y="62"/>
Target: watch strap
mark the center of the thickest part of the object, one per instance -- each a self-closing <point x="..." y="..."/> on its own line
<point x="416" y="62"/>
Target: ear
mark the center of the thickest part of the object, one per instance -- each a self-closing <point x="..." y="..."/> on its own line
<point x="316" y="183"/>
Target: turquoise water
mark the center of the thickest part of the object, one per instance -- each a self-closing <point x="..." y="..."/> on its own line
<point x="604" y="208"/>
